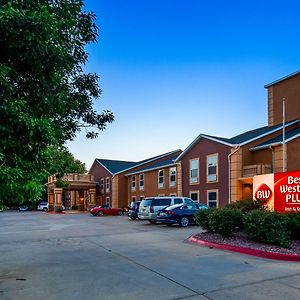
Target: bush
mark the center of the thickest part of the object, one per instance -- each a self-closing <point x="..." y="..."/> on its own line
<point x="58" y="209"/>
<point x="246" y="205"/>
<point x="202" y="218"/>
<point x="268" y="227"/>
<point x="294" y="219"/>
<point x="74" y="207"/>
<point x="225" y="221"/>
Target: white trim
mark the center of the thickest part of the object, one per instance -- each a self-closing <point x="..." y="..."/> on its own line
<point x="102" y="166"/>
<point x="217" y="168"/>
<point x="152" y="169"/>
<point x="282" y="79"/>
<point x="133" y="188"/>
<point x="198" y="171"/>
<point x="107" y="190"/>
<point x="255" y="148"/>
<point x="141" y="187"/>
<point x="174" y="183"/>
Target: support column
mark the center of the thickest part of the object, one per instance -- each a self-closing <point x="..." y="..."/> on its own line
<point x="91" y="199"/>
<point x="58" y="192"/>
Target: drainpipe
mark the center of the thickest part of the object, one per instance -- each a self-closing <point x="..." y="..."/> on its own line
<point x="273" y="157"/>
<point x="237" y="148"/>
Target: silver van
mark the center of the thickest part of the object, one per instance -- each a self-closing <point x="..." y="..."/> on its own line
<point x="150" y="207"/>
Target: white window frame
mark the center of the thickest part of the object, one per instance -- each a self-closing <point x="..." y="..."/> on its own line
<point x="141" y="186"/>
<point x="173" y="195"/>
<point x="141" y="197"/>
<point x="194" y="180"/>
<point x="217" y="196"/>
<point x="102" y="185"/>
<point x="133" y="183"/>
<point x="108" y="200"/>
<point x="172" y="183"/>
<point x="107" y="184"/>
<point x="212" y="178"/>
<point x="195" y="192"/>
<point x="161" y="184"/>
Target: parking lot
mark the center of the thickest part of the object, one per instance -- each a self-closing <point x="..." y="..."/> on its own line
<point x="78" y="256"/>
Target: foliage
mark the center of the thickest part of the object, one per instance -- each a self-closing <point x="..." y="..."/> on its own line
<point x="75" y="207"/>
<point x="45" y="95"/>
<point x="202" y="218"/>
<point x="268" y="227"/>
<point x="225" y="221"/>
<point x="246" y="205"/>
<point x="58" y="209"/>
<point x="294" y="219"/>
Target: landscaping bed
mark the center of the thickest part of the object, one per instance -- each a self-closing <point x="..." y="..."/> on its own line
<point x="239" y="239"/>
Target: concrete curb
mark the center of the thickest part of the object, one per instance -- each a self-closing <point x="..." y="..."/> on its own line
<point x="248" y="251"/>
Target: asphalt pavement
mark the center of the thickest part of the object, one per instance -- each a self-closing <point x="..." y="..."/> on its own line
<point x="78" y="256"/>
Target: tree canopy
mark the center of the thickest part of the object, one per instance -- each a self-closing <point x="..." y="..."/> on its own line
<point x="46" y="96"/>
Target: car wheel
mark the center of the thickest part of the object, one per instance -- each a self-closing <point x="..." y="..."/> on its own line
<point x="152" y="221"/>
<point x="120" y="213"/>
<point x="45" y="209"/>
<point x="184" y="222"/>
<point x="100" y="213"/>
<point x="132" y="217"/>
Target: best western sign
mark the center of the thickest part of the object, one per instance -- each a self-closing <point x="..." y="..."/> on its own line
<point x="279" y="191"/>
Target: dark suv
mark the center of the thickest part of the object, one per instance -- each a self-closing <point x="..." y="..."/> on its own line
<point x="133" y="210"/>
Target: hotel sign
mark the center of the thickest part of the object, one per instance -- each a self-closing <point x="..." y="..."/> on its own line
<point x="279" y="191"/>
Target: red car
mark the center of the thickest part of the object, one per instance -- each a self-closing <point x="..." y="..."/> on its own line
<point x="103" y="210"/>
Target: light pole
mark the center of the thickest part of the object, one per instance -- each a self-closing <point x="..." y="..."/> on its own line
<point x="283" y="135"/>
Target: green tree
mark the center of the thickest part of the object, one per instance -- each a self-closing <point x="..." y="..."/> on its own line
<point x="46" y="97"/>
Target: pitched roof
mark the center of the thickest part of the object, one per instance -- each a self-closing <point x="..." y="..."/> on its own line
<point x="282" y="79"/>
<point x="119" y="166"/>
<point x="168" y="162"/>
<point x="115" y="166"/>
<point x="278" y="140"/>
<point x="240" y="139"/>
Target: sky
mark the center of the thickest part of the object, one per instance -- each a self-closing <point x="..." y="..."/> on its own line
<point x="172" y="69"/>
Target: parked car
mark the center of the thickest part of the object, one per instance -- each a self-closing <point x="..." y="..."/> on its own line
<point x="150" y="207"/>
<point x="133" y="210"/>
<point x="23" y="208"/>
<point x="182" y="214"/>
<point x="43" y="206"/>
<point x="104" y="210"/>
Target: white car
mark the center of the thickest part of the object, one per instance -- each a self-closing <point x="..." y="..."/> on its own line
<point x="43" y="206"/>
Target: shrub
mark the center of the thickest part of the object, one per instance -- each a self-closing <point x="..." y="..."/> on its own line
<point x="268" y="227"/>
<point x="294" y="219"/>
<point x="246" y="205"/>
<point x="58" y="209"/>
<point x="202" y="218"/>
<point x="225" y="221"/>
<point x="74" y="207"/>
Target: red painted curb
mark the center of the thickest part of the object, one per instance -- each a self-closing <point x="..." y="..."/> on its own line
<point x="253" y="252"/>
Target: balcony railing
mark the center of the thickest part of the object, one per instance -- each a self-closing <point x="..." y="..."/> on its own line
<point x="73" y="177"/>
<point x="259" y="169"/>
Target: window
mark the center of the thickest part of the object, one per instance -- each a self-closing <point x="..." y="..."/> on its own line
<point x="133" y="198"/>
<point x="107" y="201"/>
<point x="160" y="179"/>
<point x="142" y="198"/>
<point x="107" y="185"/>
<point x="212" y="198"/>
<point x="141" y="182"/>
<point x="133" y="183"/>
<point x="178" y="200"/>
<point x="172" y="195"/>
<point x="212" y="168"/>
<point x="194" y="195"/>
<point x="194" y="171"/>
<point x="102" y="185"/>
<point x="173" y="177"/>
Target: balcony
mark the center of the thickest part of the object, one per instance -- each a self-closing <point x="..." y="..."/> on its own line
<point x="73" y="177"/>
<point x="259" y="169"/>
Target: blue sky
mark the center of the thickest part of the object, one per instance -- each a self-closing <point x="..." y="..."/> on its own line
<point x="170" y="70"/>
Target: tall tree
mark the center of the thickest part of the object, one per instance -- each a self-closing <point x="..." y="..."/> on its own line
<point x="45" y="95"/>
